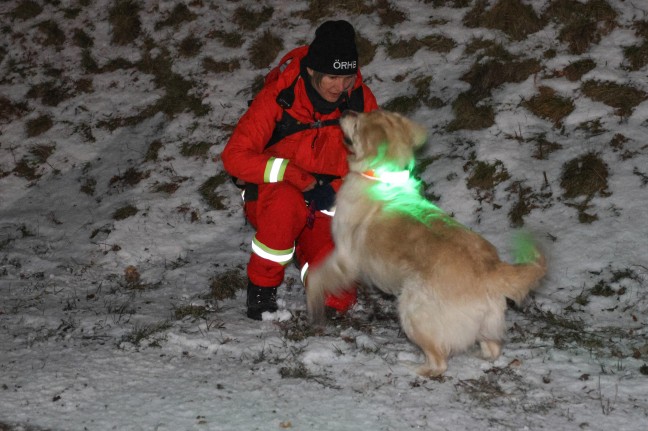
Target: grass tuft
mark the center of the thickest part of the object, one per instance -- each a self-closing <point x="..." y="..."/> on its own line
<point x="586" y="175"/>
<point x="190" y="46"/>
<point x="50" y="93"/>
<point x="10" y="110"/>
<point x="366" y="49"/>
<point x="39" y="125"/>
<point x="318" y="10"/>
<point x="124" y="212"/>
<point x="53" y="34"/>
<point x="622" y="97"/>
<point x="194" y="311"/>
<point x="485" y="77"/>
<point x="130" y="178"/>
<point x="180" y="14"/>
<point x="549" y="105"/>
<point x="265" y="49"/>
<point x="576" y="70"/>
<point x="583" y="23"/>
<point x="388" y="14"/>
<point x="153" y="151"/>
<point x="228" y="39"/>
<point x="125" y="22"/>
<point x="485" y="176"/>
<point x="208" y="191"/>
<point x="142" y="333"/>
<point x="228" y="66"/>
<point x="249" y="20"/>
<point x="26" y="9"/>
<point x="512" y="17"/>
<point x="199" y="149"/>
<point x="225" y="285"/>
<point x="470" y="114"/>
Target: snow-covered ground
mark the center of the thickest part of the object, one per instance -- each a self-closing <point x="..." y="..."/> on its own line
<point x="111" y="322"/>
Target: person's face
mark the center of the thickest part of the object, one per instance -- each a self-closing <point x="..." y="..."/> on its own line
<point x="331" y="87"/>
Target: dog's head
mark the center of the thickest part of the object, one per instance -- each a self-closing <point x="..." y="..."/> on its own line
<point x="380" y="137"/>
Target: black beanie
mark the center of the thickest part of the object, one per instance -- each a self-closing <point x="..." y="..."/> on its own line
<point x="333" y="51"/>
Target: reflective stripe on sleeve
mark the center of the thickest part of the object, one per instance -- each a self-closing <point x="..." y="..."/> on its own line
<point x="282" y="257"/>
<point x="274" y="170"/>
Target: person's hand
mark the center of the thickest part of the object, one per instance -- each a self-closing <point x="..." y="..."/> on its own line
<point x="322" y="196"/>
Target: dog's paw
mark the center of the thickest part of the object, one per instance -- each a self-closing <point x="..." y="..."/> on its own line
<point x="424" y="370"/>
<point x="490" y="350"/>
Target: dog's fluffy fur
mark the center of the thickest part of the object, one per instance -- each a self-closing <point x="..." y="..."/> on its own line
<point x="450" y="283"/>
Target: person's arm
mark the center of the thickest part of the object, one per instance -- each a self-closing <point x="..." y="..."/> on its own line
<point x="244" y="157"/>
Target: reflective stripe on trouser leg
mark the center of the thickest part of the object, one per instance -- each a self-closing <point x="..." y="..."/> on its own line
<point x="303" y="273"/>
<point x="282" y="257"/>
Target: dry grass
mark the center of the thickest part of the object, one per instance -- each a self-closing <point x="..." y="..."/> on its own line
<point x="153" y="151"/>
<point x="10" y="110"/>
<point x="583" y="24"/>
<point x="179" y="15"/>
<point x="190" y="46"/>
<point x="51" y="93"/>
<point x="265" y="49"/>
<point x="543" y="147"/>
<point x="52" y="34"/>
<point x="211" y="65"/>
<point x="622" y="97"/>
<point x="409" y="47"/>
<point x="125" y="22"/>
<point x="26" y="9"/>
<point x="225" y="285"/>
<point x="486" y="76"/>
<point x="124" y="212"/>
<point x="318" y="10"/>
<point x="39" y="125"/>
<point x="470" y="114"/>
<point x="129" y="178"/>
<point x="228" y="39"/>
<point x="577" y="69"/>
<point x="389" y="15"/>
<point x="512" y="17"/>
<point x="585" y="176"/>
<point x="548" y="105"/>
<point x="636" y="56"/>
<point x="485" y="176"/>
<point x="208" y="190"/>
<point x="250" y="19"/>
<point x="366" y="49"/>
<point x="198" y="149"/>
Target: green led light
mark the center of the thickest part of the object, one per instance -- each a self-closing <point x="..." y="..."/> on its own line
<point x="401" y="193"/>
<point x="395" y="178"/>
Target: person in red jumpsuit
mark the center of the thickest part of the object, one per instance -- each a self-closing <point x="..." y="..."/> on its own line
<point x="291" y="177"/>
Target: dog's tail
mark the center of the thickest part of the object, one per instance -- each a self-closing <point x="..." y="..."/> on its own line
<point x="515" y="281"/>
<point x="329" y="278"/>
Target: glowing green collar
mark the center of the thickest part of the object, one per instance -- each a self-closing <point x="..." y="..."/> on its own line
<point x="396" y="178"/>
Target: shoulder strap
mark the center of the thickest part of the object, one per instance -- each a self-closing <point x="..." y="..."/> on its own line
<point x="288" y="125"/>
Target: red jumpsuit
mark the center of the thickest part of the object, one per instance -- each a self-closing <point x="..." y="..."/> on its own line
<point x="282" y="171"/>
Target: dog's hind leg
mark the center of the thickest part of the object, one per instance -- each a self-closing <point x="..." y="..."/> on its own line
<point x="435" y="362"/>
<point x="435" y="356"/>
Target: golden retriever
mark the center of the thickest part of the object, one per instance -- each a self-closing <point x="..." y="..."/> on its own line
<point x="450" y="284"/>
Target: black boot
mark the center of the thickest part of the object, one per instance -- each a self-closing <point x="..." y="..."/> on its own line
<point x="259" y="300"/>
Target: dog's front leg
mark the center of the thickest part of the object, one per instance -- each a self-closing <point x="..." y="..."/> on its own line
<point x="330" y="277"/>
